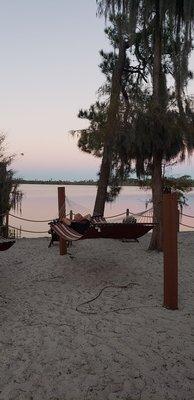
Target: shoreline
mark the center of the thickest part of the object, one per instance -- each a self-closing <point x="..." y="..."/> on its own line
<point x="79" y="183"/>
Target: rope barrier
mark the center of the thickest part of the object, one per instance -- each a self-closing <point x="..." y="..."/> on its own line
<point x="187" y="226"/>
<point x="108" y="217"/>
<point x="30" y="220"/>
<point x="117" y="215"/>
<point x="25" y="230"/>
<point x="186" y="215"/>
<point x="138" y="214"/>
<point x="130" y="212"/>
<point x="33" y="220"/>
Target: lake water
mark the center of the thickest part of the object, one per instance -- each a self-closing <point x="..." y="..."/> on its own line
<point x="40" y="202"/>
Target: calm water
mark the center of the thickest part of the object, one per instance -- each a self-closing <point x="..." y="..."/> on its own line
<point x="40" y="203"/>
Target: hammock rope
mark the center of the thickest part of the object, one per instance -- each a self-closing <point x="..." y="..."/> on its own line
<point x="72" y="205"/>
<point x="141" y="212"/>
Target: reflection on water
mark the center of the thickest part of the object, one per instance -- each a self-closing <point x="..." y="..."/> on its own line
<point x="40" y="202"/>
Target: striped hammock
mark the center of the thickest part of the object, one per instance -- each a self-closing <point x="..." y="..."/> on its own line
<point x="102" y="230"/>
<point x="65" y="231"/>
<point x="6" y="245"/>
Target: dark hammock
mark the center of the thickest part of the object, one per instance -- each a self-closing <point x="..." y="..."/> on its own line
<point x="97" y="231"/>
<point x="6" y="245"/>
<point x="117" y="231"/>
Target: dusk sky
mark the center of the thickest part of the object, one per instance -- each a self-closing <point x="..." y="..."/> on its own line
<point x="48" y="71"/>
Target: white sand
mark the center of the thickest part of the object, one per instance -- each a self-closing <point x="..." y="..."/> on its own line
<point x="127" y="347"/>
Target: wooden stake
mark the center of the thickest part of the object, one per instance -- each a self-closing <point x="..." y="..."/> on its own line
<point x="170" y="251"/>
<point x="62" y="211"/>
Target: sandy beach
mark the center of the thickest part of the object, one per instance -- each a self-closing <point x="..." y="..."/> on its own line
<point x="56" y="344"/>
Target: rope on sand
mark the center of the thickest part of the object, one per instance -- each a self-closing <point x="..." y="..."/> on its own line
<point x="99" y="294"/>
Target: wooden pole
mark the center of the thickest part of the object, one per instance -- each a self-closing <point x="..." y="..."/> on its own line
<point x="71" y="215"/>
<point x="127" y="212"/>
<point x="170" y="251"/>
<point x="62" y="210"/>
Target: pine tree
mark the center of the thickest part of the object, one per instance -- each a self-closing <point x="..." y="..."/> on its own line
<point x="180" y="13"/>
<point x="150" y="124"/>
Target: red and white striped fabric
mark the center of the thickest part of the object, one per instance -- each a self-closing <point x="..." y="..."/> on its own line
<point x="65" y="232"/>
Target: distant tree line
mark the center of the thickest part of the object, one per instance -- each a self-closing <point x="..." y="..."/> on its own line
<point x="55" y="182"/>
<point x="128" y="182"/>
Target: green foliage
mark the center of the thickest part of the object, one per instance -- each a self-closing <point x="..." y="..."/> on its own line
<point x="181" y="186"/>
<point x="115" y="7"/>
<point x="10" y="196"/>
<point x="144" y="128"/>
<point x="90" y="140"/>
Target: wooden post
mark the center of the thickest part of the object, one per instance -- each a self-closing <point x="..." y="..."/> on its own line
<point x="61" y="208"/>
<point x="127" y="212"/>
<point x="170" y="251"/>
<point x="71" y="215"/>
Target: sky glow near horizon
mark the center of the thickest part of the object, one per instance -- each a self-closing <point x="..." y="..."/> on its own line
<point x="48" y="71"/>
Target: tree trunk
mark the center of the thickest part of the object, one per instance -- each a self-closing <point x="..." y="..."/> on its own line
<point x="110" y="130"/>
<point x="156" y="240"/>
<point x="177" y="67"/>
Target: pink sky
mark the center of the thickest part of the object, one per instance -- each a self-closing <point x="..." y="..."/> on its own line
<point x="48" y="71"/>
